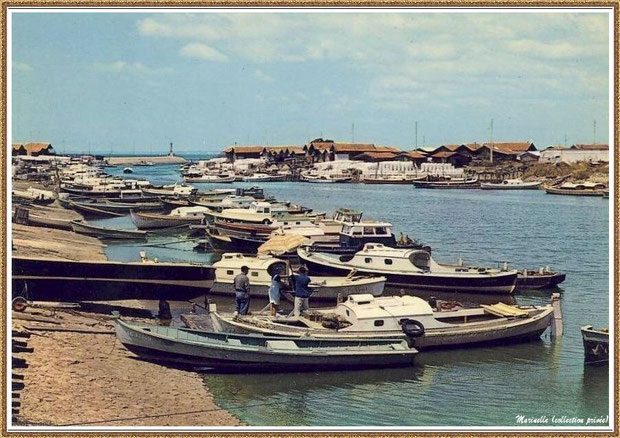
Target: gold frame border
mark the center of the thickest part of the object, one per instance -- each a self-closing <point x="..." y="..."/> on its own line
<point x="614" y="4"/>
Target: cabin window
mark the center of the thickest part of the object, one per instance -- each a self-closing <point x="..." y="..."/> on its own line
<point x="369" y="230"/>
<point x="254" y="274"/>
<point x="297" y="223"/>
<point x="420" y="260"/>
<point x="348" y="313"/>
<point x="357" y="231"/>
<point x="368" y="260"/>
<point x="379" y="323"/>
<point x="229" y="272"/>
<point x="381" y="230"/>
<point x="388" y="261"/>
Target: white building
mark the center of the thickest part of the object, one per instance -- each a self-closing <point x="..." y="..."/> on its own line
<point x="591" y="153"/>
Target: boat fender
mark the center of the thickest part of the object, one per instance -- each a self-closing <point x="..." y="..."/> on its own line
<point x="412" y="328"/>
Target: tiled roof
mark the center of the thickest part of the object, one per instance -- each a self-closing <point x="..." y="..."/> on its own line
<point x="591" y="147"/>
<point x="520" y="146"/>
<point x="36" y="147"/>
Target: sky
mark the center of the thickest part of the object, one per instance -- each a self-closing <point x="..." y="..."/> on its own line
<point x="134" y="82"/>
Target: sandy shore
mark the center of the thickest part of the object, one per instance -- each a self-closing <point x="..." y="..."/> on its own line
<point x="115" y="161"/>
<point x="57" y="244"/>
<point x="91" y="379"/>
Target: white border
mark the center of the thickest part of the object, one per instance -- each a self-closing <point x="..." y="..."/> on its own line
<point x="353" y="429"/>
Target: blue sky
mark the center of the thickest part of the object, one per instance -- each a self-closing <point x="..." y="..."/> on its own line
<point x="126" y="82"/>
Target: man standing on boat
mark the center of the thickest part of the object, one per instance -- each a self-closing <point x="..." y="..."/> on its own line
<point x="301" y="284"/>
<point x="242" y="292"/>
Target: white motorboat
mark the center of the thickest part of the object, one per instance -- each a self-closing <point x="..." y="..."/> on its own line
<point x="364" y="316"/>
<point x="264" y="267"/>
<point x="411" y="269"/>
<point x="512" y="184"/>
<point x="177" y="217"/>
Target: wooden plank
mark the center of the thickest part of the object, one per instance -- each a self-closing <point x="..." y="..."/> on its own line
<point x="70" y="330"/>
<point x="18" y="349"/>
<point x="20" y="334"/>
<point x="29" y="317"/>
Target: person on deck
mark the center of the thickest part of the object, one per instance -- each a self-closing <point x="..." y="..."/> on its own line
<point x="274" y="294"/>
<point x="301" y="284"/>
<point x="242" y="292"/>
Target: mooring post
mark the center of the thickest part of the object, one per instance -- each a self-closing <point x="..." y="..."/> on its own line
<point x="557" y="324"/>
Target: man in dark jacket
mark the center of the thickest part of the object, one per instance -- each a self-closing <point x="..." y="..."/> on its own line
<point x="301" y="284"/>
<point x="242" y="292"/>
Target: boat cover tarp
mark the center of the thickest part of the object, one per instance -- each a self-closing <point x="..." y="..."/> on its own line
<point x="279" y="245"/>
<point x="503" y="310"/>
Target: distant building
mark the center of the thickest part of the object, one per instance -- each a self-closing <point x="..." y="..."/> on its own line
<point x="457" y="154"/>
<point x="283" y="153"/>
<point x="506" y="151"/>
<point x="417" y="157"/>
<point x="33" y="149"/>
<point x="239" y="152"/>
<point x="593" y="153"/>
<point x="318" y="150"/>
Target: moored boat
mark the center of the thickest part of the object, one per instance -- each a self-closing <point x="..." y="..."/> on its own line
<point x="89" y="209"/>
<point x="512" y="184"/>
<point x="178" y="216"/>
<point x="263" y="267"/>
<point x="578" y="189"/>
<point x="543" y="278"/>
<point x="230" y="352"/>
<point x="595" y="344"/>
<point x="449" y="183"/>
<point x="364" y="316"/>
<point x="83" y="227"/>
<point x="411" y="269"/>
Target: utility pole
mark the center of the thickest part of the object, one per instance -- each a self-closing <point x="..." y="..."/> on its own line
<point x="423" y="141"/>
<point x="594" y="132"/>
<point x="352" y="132"/>
<point x="565" y="140"/>
<point x="416" y="134"/>
<point x="491" y="142"/>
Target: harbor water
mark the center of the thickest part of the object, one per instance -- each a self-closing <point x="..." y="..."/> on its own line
<point x="543" y="383"/>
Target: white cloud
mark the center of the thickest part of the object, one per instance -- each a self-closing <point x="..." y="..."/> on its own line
<point x="22" y="66"/>
<point x="202" y="51"/>
<point x="407" y="59"/>
<point x="129" y="67"/>
<point x="263" y="77"/>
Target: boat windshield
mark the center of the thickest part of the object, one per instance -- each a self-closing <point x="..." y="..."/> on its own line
<point x="277" y="268"/>
<point x="421" y="260"/>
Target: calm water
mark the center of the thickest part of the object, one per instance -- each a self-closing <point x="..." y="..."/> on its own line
<point x="465" y="387"/>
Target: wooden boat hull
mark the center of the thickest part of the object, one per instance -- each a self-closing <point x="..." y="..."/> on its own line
<point x="106" y="233"/>
<point x="88" y="210"/>
<point x="539" y="281"/>
<point x="149" y="221"/>
<point x="230" y="352"/>
<point x="446" y="185"/>
<point x="524" y="186"/>
<point x="595" y="344"/>
<point x="66" y="280"/>
<point x="501" y="330"/>
<point x="210" y="180"/>
<point x="386" y="181"/>
<point x="557" y="191"/>
<point x="503" y="283"/>
<point x="333" y="288"/>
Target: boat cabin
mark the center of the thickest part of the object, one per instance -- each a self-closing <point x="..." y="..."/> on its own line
<point x="190" y="212"/>
<point x="366" y="313"/>
<point x="261" y="268"/>
<point x="347" y="215"/>
<point x="356" y="234"/>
